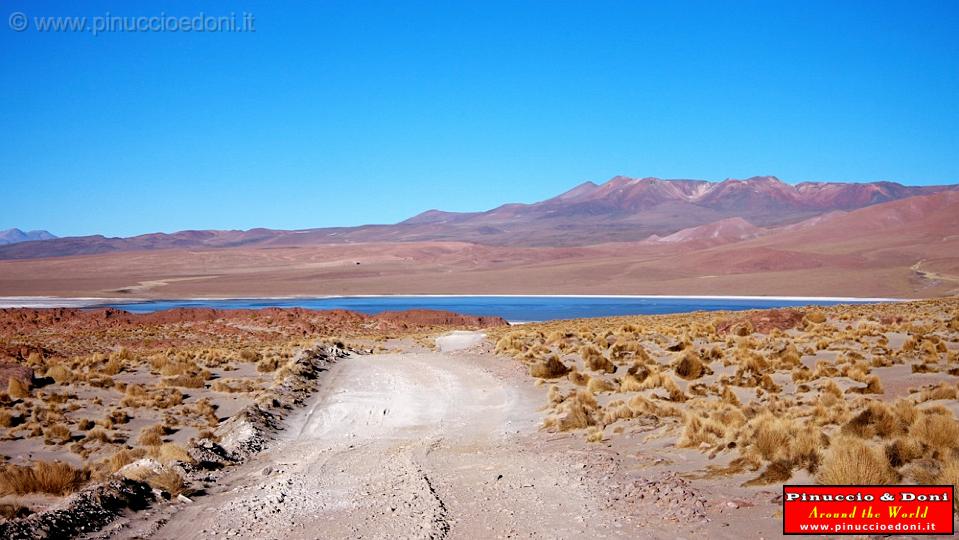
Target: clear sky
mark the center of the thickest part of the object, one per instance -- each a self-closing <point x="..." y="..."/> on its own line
<point x="343" y="113"/>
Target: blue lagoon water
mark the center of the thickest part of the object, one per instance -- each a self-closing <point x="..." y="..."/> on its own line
<point x="511" y="308"/>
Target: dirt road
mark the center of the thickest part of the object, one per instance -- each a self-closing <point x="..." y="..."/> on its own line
<point x="418" y="445"/>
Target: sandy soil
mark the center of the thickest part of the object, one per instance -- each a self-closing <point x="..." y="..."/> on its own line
<point x="882" y="266"/>
<point x="426" y="445"/>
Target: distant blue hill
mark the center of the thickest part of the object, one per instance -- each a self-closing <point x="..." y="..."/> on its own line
<point x="15" y="236"/>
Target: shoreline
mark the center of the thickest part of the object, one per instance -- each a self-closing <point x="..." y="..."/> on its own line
<point x="40" y="302"/>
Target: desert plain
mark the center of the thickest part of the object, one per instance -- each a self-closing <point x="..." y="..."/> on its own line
<point x="432" y="425"/>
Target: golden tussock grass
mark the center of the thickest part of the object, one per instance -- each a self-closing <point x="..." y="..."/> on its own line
<point x="594" y="434"/>
<point x="152" y="436"/>
<point x="728" y="396"/>
<point x="902" y="451"/>
<point x="690" y="367"/>
<point x="575" y="412"/>
<point x="41" y="477"/>
<point x="936" y="428"/>
<point x="120" y="459"/>
<point x="699" y="430"/>
<point x="13" y="511"/>
<point x="949" y="475"/>
<point x="183" y="381"/>
<point x="97" y="435"/>
<point x="617" y="410"/>
<point x="17" y="389"/>
<point x="61" y="374"/>
<point x="268" y="364"/>
<point x="554" y="395"/>
<point x="163" y="479"/>
<point x="597" y="385"/>
<point x="643" y="405"/>
<point x="940" y="391"/>
<point x="578" y="378"/>
<point x="233" y="386"/>
<point x="875" y="420"/>
<point x="56" y="434"/>
<point x="550" y="368"/>
<point x="8" y="419"/>
<point x="167" y="453"/>
<point x="851" y="460"/>
<point x="769" y="435"/>
<point x="595" y="360"/>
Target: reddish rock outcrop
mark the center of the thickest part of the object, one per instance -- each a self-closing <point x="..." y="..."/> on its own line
<point x="9" y="370"/>
<point x="764" y="321"/>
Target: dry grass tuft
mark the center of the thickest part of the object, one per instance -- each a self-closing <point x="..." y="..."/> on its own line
<point x="13" y="511"/>
<point x="169" y="453"/>
<point x="41" y="477"/>
<point x="551" y="368"/>
<point x="936" y="428"/>
<point x="152" y="436"/>
<point x="851" y="460"/>
<point x="17" y="389"/>
<point x="61" y="374"/>
<point x="163" y="479"/>
<point x="597" y="385"/>
<point x="594" y="434"/>
<point x="56" y="434"/>
<point x="183" y="381"/>
<point x="595" y="360"/>
<point x="690" y="367"/>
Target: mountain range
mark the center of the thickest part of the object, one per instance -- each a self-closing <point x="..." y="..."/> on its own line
<point x="15" y="236"/>
<point x="619" y="210"/>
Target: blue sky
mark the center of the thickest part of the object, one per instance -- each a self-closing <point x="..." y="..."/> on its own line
<point x="342" y="113"/>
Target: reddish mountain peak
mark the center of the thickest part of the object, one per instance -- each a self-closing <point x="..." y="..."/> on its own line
<point x="581" y="190"/>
